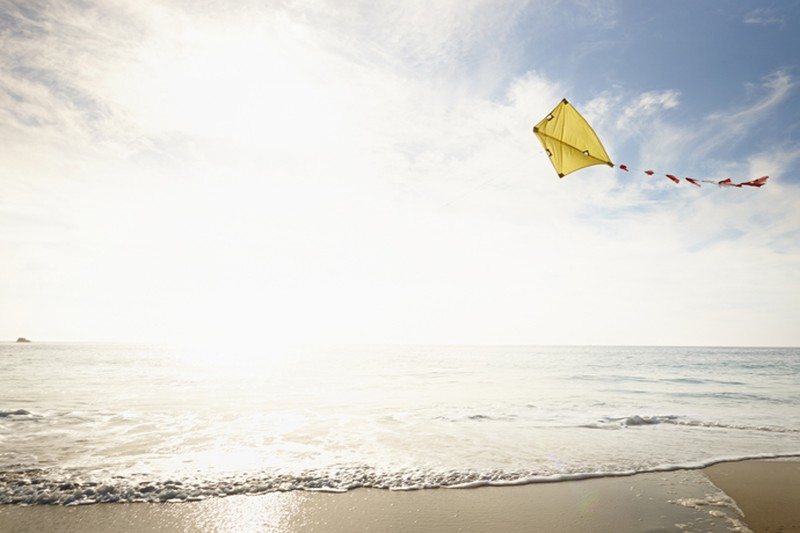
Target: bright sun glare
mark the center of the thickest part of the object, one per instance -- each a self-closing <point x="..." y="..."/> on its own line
<point x="266" y="100"/>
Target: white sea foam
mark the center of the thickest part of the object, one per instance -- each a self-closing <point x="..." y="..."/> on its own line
<point x="639" y="420"/>
<point x="32" y="488"/>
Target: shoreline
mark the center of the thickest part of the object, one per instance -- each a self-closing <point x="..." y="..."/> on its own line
<point x="71" y="493"/>
<point x="758" y="494"/>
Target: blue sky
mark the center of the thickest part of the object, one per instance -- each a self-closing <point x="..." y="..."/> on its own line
<point x="366" y="172"/>
<point x="718" y="57"/>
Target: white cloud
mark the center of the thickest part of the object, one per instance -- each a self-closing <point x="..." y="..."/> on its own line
<point x="763" y="17"/>
<point x="775" y="88"/>
<point x="676" y="261"/>
<point x="638" y="113"/>
<point x="320" y="172"/>
<point x="242" y="171"/>
<point x="699" y="145"/>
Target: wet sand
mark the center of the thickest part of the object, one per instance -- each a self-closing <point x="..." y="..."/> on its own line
<point x="768" y="493"/>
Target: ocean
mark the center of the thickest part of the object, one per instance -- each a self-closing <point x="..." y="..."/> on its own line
<point x="93" y="423"/>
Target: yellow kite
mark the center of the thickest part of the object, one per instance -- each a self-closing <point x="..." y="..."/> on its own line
<point x="570" y="141"/>
<point x="572" y="145"/>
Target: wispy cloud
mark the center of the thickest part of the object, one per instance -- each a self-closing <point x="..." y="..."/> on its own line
<point x="775" y="88"/>
<point x="763" y="17"/>
<point x="323" y="157"/>
<point x="54" y="63"/>
<point x="645" y="106"/>
<point x="343" y="171"/>
<point x="708" y="239"/>
<point x="667" y="143"/>
<point x="721" y="128"/>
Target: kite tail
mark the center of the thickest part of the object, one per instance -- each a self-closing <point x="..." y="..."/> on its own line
<point x="727" y="182"/>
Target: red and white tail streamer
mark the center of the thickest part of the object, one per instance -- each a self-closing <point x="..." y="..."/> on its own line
<point x="727" y="182"/>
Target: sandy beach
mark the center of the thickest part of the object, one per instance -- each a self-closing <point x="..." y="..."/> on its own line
<point x="766" y="492"/>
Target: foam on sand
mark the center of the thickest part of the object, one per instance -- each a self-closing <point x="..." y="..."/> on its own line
<point x="636" y="504"/>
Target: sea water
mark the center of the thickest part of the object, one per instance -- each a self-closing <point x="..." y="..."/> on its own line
<point x="86" y="423"/>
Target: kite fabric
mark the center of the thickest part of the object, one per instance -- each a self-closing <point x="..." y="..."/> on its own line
<point x="570" y="141"/>
<point x="572" y="144"/>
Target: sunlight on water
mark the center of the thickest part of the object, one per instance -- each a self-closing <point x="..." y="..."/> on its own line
<point x="157" y="422"/>
<point x="231" y="354"/>
<point x="276" y="512"/>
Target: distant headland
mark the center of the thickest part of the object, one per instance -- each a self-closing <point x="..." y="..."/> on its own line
<point x="23" y="339"/>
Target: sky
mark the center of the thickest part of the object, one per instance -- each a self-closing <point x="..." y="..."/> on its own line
<point x="365" y="172"/>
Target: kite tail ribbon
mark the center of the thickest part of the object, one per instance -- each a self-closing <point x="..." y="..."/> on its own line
<point x="727" y="182"/>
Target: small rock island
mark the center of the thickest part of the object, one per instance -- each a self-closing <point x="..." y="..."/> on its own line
<point x="22" y="339"/>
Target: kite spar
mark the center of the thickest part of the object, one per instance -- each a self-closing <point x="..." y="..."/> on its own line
<point x="572" y="144"/>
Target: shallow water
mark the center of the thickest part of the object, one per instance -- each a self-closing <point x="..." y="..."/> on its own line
<point x="105" y="422"/>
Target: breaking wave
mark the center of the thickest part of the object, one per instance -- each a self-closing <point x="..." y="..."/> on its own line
<point x="638" y="420"/>
<point x="37" y="487"/>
